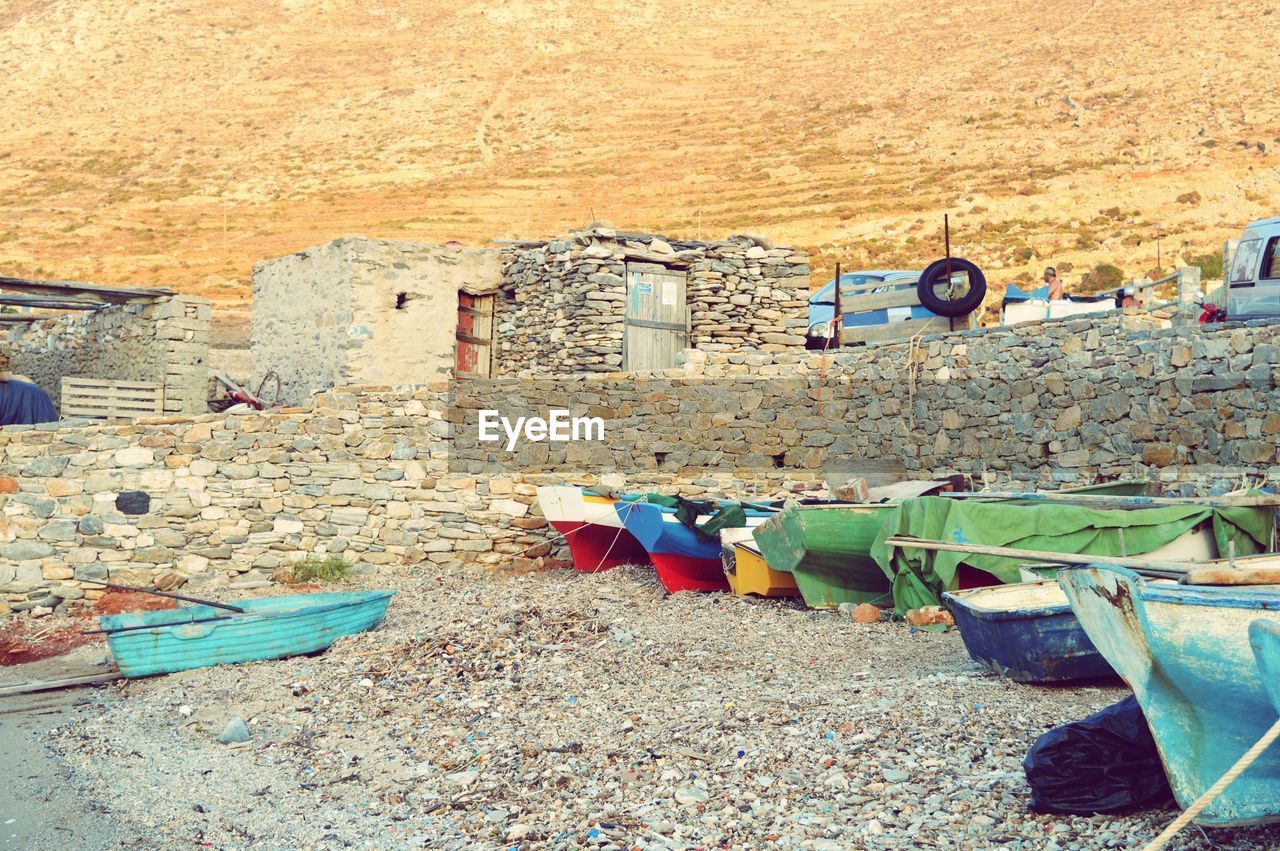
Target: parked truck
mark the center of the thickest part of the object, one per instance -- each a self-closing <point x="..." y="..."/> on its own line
<point x="1252" y="286"/>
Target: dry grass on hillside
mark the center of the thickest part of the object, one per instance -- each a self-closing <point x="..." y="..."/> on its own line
<point x="177" y="142"/>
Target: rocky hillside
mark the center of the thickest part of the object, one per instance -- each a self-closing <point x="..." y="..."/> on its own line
<point x="176" y="141"/>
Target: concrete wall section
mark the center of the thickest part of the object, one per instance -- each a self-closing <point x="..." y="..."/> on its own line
<point x="405" y="306"/>
<point x="166" y="341"/>
<point x="302" y="316"/>
<point x="357" y="310"/>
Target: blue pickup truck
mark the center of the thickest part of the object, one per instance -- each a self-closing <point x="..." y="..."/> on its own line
<point x="822" y="304"/>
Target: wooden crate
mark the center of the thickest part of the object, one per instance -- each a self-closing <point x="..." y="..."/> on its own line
<point x="101" y="399"/>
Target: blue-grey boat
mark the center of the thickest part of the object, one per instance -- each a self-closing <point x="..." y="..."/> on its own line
<point x="161" y="642"/>
<point x="1027" y="632"/>
<point x="1185" y="652"/>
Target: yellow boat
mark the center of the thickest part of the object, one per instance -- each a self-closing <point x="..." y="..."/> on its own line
<point x="747" y="571"/>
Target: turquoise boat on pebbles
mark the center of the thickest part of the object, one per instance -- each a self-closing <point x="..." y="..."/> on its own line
<point x="1185" y="651"/>
<point x="161" y="642"/>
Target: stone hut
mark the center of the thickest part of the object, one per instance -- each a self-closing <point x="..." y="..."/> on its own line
<point x="363" y="311"/>
<point x="378" y="312"/>
<point x="598" y="300"/>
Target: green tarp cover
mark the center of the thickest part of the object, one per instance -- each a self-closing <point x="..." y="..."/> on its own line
<point x="920" y="576"/>
<point x="654" y="498"/>
<point x="724" y="515"/>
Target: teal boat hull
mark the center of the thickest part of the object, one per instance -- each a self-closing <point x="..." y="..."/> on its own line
<point x="169" y="640"/>
<point x="1185" y="652"/>
<point x="1264" y="637"/>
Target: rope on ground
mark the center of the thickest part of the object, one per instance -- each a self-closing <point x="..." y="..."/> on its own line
<point x="565" y="535"/>
<point x="609" y="549"/>
<point x="1216" y="789"/>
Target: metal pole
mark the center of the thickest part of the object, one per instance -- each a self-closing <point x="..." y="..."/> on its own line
<point x="946" y="231"/>
<point x="837" y="321"/>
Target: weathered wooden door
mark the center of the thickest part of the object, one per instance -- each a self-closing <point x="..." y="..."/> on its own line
<point x="475" y="335"/>
<point x="657" y="323"/>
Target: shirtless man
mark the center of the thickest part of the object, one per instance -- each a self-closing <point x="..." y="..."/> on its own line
<point x="1055" y="285"/>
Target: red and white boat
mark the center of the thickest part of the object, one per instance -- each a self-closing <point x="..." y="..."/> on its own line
<point x="591" y="526"/>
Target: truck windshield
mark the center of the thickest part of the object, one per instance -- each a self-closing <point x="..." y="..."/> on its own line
<point x="1246" y="261"/>
<point x="848" y="285"/>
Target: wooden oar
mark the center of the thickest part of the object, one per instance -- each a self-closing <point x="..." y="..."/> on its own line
<point x="61" y="682"/>
<point x="1116" y="501"/>
<point x="1186" y="572"/>
<point x="1164" y="569"/>
<point x="196" y="600"/>
<point x="1214" y="575"/>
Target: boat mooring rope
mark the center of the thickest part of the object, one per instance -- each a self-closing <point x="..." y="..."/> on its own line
<point x="565" y="535"/>
<point x="1216" y="789"/>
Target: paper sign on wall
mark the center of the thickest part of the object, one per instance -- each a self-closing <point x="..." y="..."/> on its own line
<point x="644" y="288"/>
<point x="668" y="292"/>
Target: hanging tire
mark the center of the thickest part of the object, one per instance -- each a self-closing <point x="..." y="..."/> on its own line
<point x="936" y="274"/>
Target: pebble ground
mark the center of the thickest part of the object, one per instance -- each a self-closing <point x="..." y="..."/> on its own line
<point x="563" y="710"/>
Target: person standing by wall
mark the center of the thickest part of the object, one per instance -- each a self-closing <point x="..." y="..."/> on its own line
<point x="1056" y="292"/>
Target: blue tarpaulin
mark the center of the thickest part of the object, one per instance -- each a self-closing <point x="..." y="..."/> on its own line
<point x="1012" y="293"/>
<point x="22" y="403"/>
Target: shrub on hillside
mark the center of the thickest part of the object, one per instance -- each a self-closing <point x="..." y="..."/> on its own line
<point x="1210" y="265"/>
<point x="1103" y="277"/>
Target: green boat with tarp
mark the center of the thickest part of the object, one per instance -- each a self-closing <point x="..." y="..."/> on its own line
<point x="1178" y="530"/>
<point x="827" y="546"/>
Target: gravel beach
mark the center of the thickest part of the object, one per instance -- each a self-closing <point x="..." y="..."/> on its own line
<point x="564" y="710"/>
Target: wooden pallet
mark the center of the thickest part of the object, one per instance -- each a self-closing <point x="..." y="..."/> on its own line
<point x="100" y="399"/>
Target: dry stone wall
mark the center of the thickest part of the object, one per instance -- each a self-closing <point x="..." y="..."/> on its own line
<point x="393" y="476"/>
<point x="566" y="299"/>
<point x="165" y="341"/>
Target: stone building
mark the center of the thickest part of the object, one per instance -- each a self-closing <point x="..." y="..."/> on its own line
<point x="154" y="337"/>
<point x="363" y="311"/>
<point x="597" y="300"/>
<point x="373" y="311"/>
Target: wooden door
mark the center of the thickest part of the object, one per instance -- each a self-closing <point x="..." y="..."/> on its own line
<point x="657" y="321"/>
<point x="474" y="335"/>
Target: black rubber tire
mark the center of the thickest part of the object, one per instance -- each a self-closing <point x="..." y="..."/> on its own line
<point x="936" y="273"/>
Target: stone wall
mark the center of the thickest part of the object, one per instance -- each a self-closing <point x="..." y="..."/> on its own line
<point x="390" y="476"/>
<point x="362" y="311"/>
<point x="567" y="298"/>
<point x="165" y="341"/>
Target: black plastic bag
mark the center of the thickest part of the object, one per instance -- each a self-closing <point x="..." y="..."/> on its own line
<point x="1106" y="763"/>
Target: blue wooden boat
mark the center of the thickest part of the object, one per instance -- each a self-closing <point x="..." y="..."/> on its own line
<point x="1027" y="632"/>
<point x="1185" y="652"/>
<point x="684" y="559"/>
<point x="161" y="642"/>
